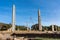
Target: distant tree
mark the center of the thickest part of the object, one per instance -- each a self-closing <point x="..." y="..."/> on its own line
<point x="58" y="28"/>
<point x="4" y="26"/>
<point x="35" y="27"/>
<point x="21" y="28"/>
<point x="45" y="28"/>
<point x="50" y="28"/>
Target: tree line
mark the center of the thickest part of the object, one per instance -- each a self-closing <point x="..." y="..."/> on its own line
<point x="4" y="26"/>
<point x="47" y="28"/>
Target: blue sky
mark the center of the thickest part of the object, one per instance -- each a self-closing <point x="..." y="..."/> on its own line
<point x="26" y="11"/>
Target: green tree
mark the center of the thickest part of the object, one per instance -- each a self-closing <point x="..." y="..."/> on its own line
<point x="21" y="28"/>
<point x="4" y="26"/>
<point x="35" y="27"/>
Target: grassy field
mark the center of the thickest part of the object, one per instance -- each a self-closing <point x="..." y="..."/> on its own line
<point x="47" y="39"/>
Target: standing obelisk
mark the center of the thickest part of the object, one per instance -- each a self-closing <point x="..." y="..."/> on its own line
<point x="52" y="27"/>
<point x="13" y="18"/>
<point x="39" y="21"/>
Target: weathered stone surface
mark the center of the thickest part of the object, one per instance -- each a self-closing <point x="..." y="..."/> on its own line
<point x="39" y="21"/>
<point x="52" y="27"/>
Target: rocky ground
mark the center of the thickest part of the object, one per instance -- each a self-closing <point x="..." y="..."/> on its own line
<point x="9" y="37"/>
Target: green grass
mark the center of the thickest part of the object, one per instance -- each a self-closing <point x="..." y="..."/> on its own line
<point x="47" y="39"/>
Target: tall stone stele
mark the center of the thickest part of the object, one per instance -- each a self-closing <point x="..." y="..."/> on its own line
<point x="52" y="27"/>
<point x="13" y="18"/>
<point x="39" y="21"/>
